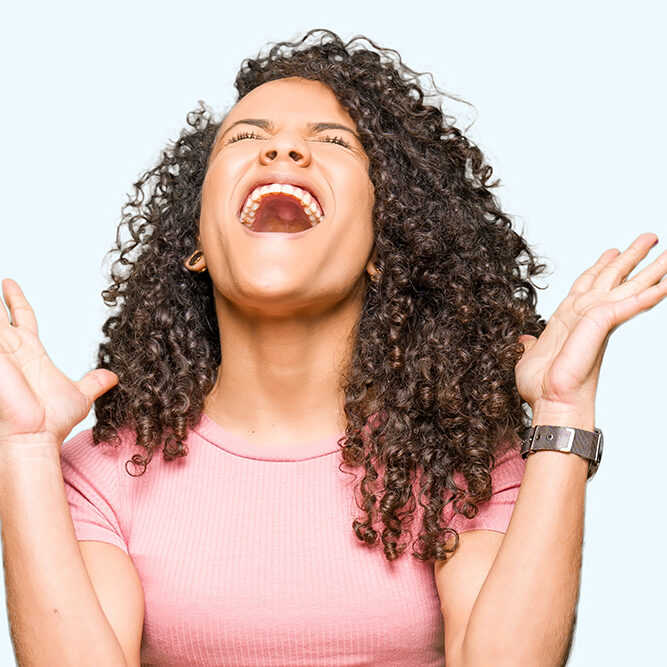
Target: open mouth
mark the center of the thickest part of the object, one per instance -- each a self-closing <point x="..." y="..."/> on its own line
<point x="280" y="207"/>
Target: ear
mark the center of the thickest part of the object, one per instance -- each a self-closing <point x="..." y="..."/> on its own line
<point x="371" y="269"/>
<point x="196" y="262"/>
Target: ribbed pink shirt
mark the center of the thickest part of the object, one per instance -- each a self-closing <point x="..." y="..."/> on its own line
<point x="247" y="555"/>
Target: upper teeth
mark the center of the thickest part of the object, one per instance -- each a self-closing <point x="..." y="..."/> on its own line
<point x="308" y="203"/>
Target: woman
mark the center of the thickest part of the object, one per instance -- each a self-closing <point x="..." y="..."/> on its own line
<point x="327" y="325"/>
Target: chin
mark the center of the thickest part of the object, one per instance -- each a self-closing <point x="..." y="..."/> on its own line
<point x="284" y="298"/>
<point x="257" y="291"/>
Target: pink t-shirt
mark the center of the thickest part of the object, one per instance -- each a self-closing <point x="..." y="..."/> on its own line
<point x="247" y="555"/>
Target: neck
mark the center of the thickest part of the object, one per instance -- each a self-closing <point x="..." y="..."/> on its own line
<point x="279" y="377"/>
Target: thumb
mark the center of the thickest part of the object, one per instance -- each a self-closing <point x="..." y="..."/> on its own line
<point x="95" y="383"/>
<point x="528" y="342"/>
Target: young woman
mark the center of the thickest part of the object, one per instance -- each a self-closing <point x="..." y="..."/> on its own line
<point x="326" y="325"/>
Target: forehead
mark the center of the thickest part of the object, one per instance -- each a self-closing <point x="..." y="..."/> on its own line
<point x="294" y="98"/>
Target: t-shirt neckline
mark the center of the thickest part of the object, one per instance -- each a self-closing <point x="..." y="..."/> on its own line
<point x="222" y="438"/>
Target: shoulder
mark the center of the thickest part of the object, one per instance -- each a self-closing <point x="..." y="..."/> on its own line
<point x="507" y="470"/>
<point x="82" y="452"/>
<point x="494" y="514"/>
<point x="509" y="466"/>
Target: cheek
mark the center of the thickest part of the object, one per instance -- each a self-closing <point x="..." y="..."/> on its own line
<point x="214" y="202"/>
<point x="364" y="205"/>
<point x="359" y="234"/>
<point x="223" y="174"/>
<point x="357" y="191"/>
<point x="210" y="194"/>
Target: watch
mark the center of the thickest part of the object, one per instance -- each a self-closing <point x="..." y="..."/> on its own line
<point x="586" y="444"/>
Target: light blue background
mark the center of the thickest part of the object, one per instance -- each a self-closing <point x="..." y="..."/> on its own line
<point x="571" y="114"/>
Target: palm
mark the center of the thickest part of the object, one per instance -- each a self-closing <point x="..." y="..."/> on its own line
<point x="36" y="397"/>
<point x="563" y="364"/>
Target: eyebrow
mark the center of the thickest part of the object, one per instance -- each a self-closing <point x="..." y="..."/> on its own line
<point x="269" y="126"/>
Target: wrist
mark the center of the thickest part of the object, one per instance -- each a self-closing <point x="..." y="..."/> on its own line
<point x="586" y="444"/>
<point x="28" y="446"/>
<point x="547" y="413"/>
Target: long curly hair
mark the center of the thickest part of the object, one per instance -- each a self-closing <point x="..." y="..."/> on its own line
<point x="430" y="387"/>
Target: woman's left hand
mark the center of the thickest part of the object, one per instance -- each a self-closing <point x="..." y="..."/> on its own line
<point x="558" y="372"/>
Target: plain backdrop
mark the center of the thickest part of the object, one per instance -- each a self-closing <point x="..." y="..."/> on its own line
<point x="570" y="111"/>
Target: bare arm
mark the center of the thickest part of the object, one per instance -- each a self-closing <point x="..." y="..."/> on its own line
<point x="511" y="599"/>
<point x="523" y="612"/>
<point x="59" y="611"/>
<point x="55" y="616"/>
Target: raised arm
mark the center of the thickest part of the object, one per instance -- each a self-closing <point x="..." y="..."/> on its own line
<point x="59" y="603"/>
<point x="518" y="594"/>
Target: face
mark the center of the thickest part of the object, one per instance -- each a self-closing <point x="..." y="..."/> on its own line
<point x="291" y="132"/>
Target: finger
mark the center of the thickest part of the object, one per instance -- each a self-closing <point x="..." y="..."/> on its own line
<point x="618" y="269"/>
<point x="584" y="282"/>
<point x="647" y="277"/>
<point x="636" y="303"/>
<point x="19" y="308"/>
<point x="95" y="383"/>
<point x="4" y="317"/>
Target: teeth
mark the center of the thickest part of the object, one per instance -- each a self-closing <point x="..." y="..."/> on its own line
<point x="309" y="204"/>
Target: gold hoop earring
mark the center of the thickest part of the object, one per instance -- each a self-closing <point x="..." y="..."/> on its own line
<point x="192" y="261"/>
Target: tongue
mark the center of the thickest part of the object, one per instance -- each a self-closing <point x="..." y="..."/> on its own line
<point x="280" y="213"/>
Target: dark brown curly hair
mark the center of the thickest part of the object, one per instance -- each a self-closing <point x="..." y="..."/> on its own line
<point x="436" y="343"/>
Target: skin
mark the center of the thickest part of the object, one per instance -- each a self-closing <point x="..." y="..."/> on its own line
<point x="286" y="304"/>
<point x="495" y="590"/>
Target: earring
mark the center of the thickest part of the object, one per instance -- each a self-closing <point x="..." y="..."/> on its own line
<point x="374" y="275"/>
<point x="193" y="260"/>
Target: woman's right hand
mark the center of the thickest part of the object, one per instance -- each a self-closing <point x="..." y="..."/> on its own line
<point x="38" y="403"/>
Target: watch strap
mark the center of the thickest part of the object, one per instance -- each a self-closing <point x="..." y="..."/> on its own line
<point x="587" y="444"/>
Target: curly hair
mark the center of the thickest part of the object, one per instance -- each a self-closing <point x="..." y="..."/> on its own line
<point x="436" y="342"/>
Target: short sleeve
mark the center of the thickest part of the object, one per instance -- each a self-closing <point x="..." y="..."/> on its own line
<point x="495" y="513"/>
<point x="93" y="491"/>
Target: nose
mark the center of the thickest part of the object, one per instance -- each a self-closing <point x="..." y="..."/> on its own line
<point x="285" y="146"/>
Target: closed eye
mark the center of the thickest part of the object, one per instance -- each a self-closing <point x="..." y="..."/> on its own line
<point x="243" y="135"/>
<point x="249" y="134"/>
<point x="337" y="140"/>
